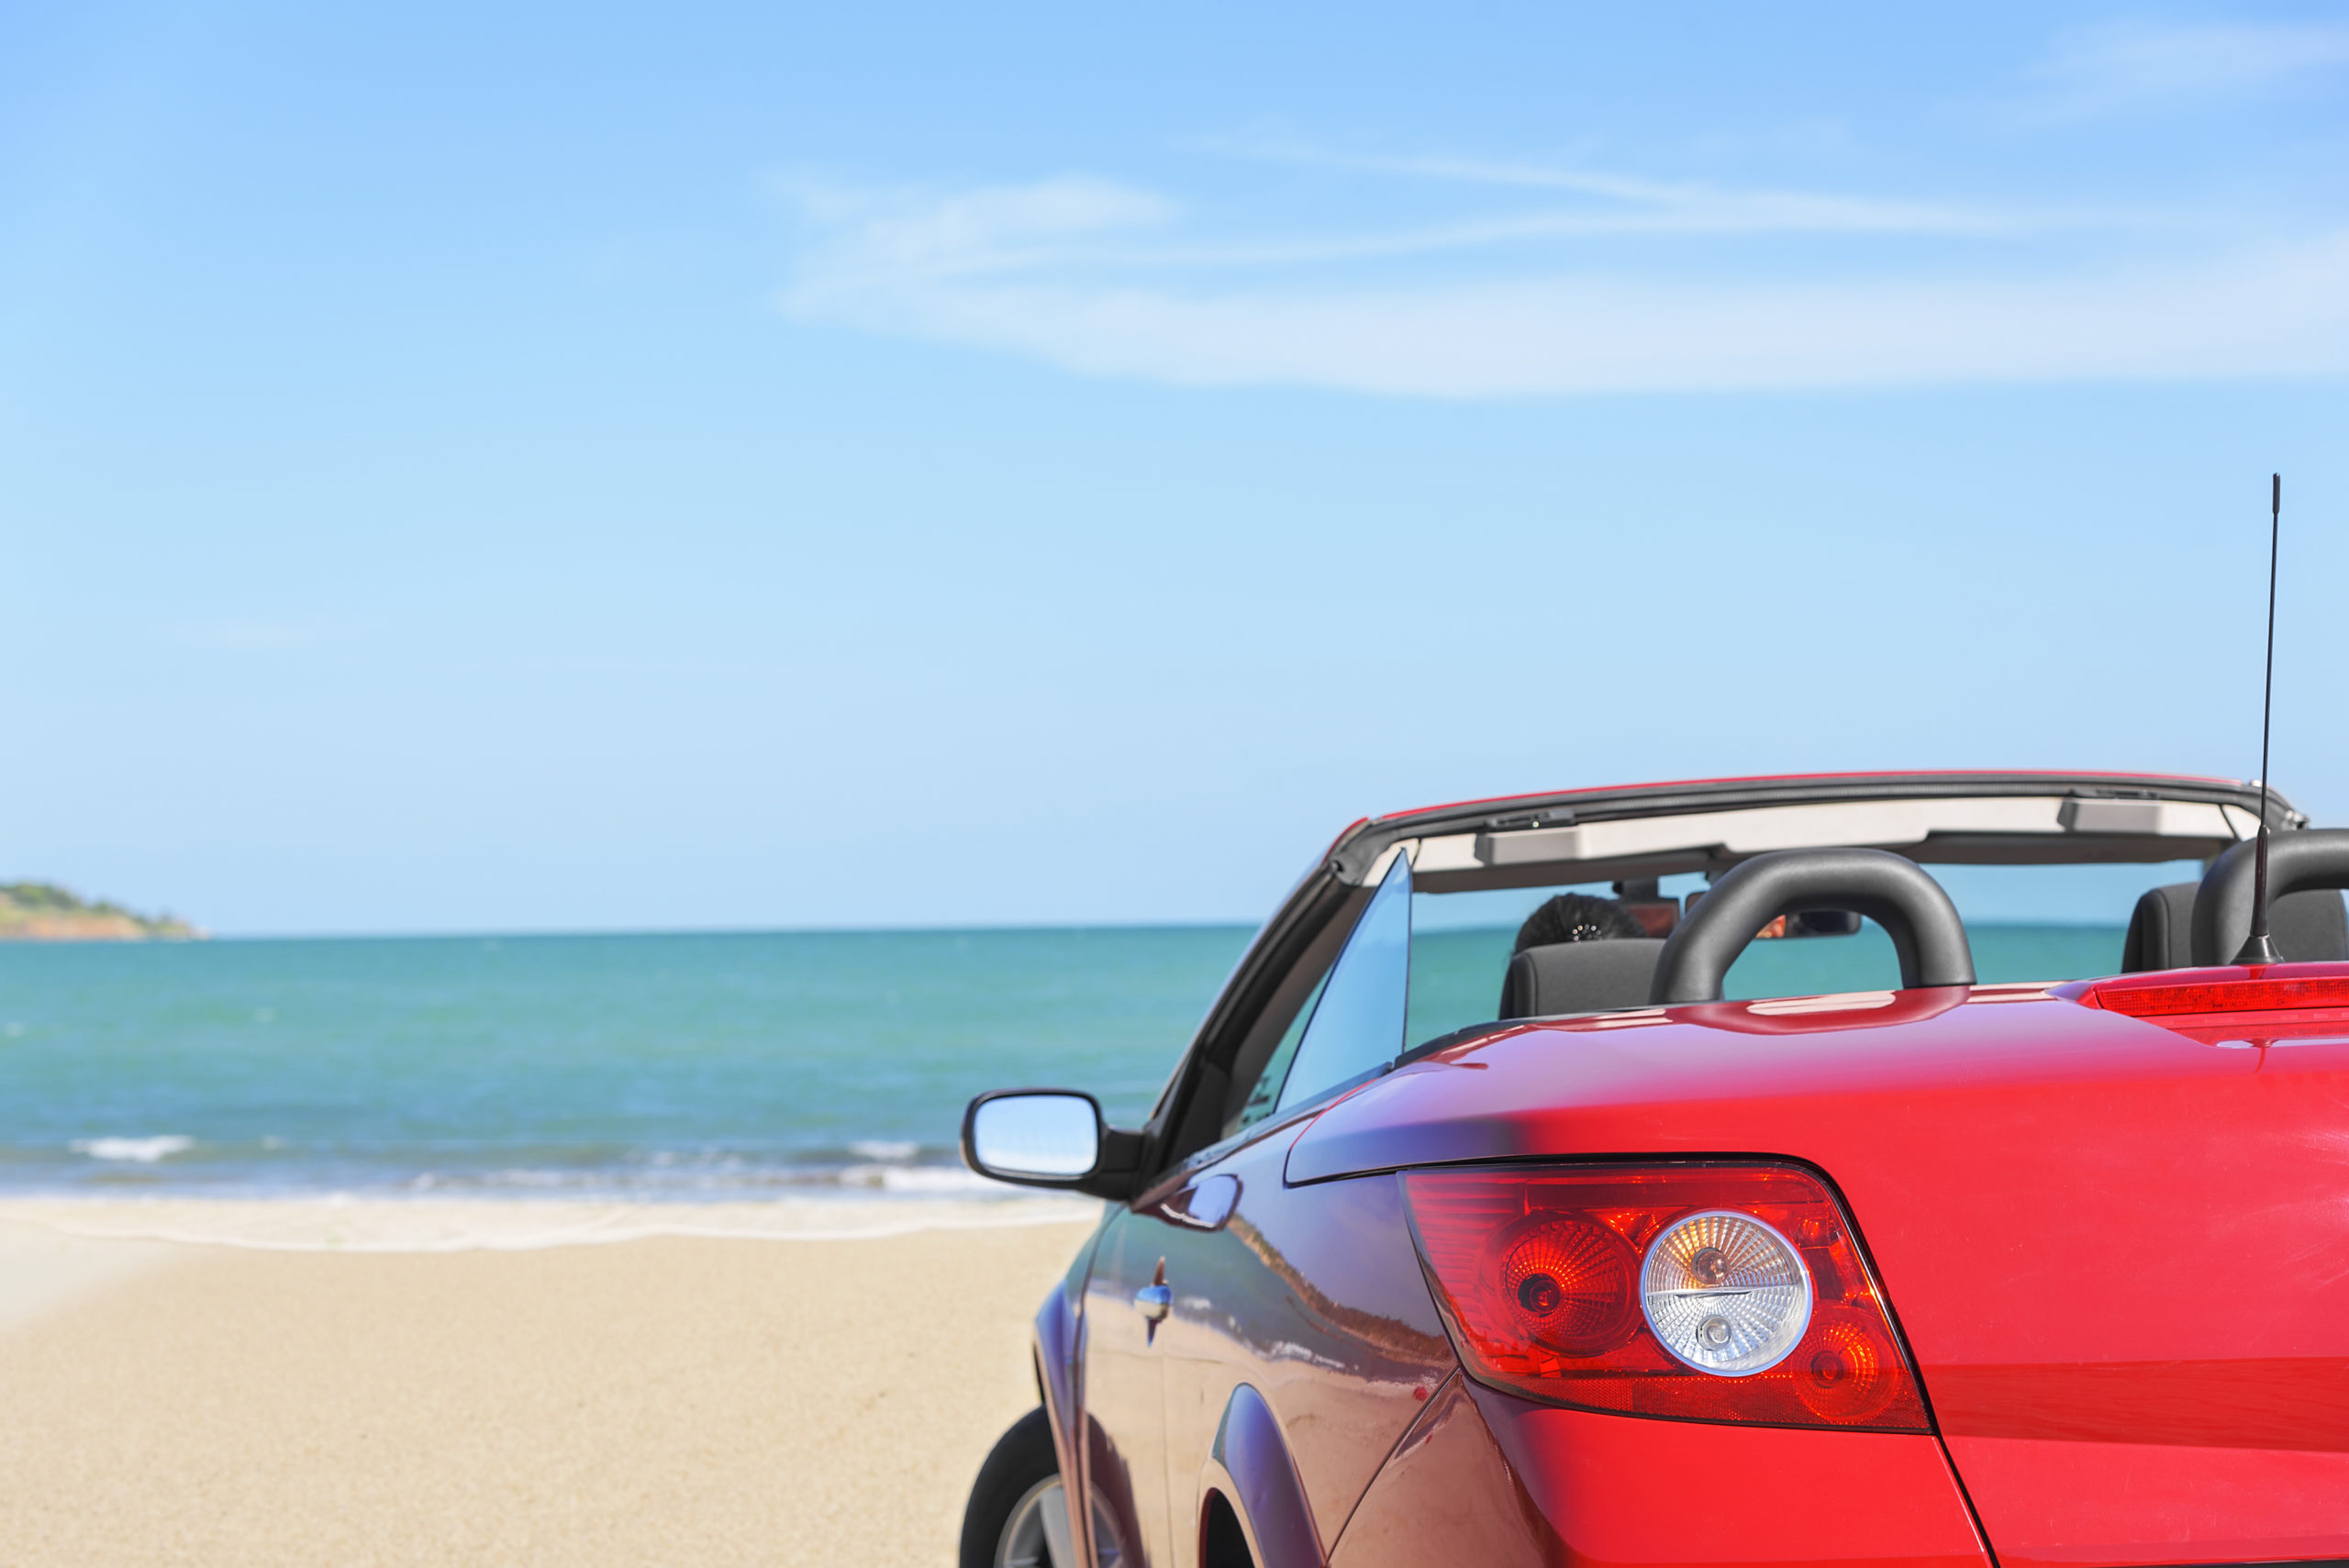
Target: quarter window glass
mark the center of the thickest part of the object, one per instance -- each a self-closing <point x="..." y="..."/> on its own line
<point x="1358" y="1024"/>
<point x="1267" y="1089"/>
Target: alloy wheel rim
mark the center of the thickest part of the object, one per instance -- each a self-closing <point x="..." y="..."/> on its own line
<point x="1039" y="1518"/>
<point x="1023" y="1544"/>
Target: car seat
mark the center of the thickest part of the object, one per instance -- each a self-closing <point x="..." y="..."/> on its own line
<point x="2311" y="927"/>
<point x="1580" y="977"/>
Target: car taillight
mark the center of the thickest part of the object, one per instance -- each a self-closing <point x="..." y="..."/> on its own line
<point x="1706" y="1293"/>
<point x="2276" y="988"/>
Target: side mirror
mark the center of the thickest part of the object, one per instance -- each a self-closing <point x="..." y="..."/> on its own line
<point x="1049" y="1137"/>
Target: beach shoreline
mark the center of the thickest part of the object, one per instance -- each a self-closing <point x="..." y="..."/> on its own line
<point x="395" y="1380"/>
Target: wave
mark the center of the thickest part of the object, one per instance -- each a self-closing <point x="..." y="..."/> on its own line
<point x="139" y="1150"/>
<point x="177" y="1164"/>
<point x="929" y="1180"/>
<point x="730" y="1179"/>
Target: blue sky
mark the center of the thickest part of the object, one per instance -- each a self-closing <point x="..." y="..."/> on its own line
<point x="473" y="467"/>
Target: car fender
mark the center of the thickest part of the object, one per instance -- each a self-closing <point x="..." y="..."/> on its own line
<point x="1250" y="1467"/>
<point x="1059" y="1344"/>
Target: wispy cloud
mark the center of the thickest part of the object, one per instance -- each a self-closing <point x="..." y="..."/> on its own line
<point x="1633" y="203"/>
<point x="866" y="236"/>
<point x="2138" y="65"/>
<point x="992" y="229"/>
<point x="1103" y="278"/>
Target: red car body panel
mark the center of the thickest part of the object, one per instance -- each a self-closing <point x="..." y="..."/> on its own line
<point x="1251" y="1464"/>
<point x="1309" y="1299"/>
<point x="1447" y="1495"/>
<point x="2102" y="1235"/>
<point x="1058" y="1345"/>
<point x="1489" y="1478"/>
<point x="2073" y="1503"/>
<point x="2115" y="1246"/>
<point x="1616" y="1489"/>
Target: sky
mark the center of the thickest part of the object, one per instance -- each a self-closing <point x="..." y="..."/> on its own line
<point x="477" y="467"/>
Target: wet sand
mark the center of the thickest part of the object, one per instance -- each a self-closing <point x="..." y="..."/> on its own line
<point x="486" y="1386"/>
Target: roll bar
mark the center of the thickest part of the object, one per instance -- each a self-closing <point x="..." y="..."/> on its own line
<point x="2309" y="861"/>
<point x="1889" y="889"/>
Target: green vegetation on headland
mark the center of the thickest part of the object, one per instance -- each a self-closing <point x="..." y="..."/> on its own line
<point x="43" y="912"/>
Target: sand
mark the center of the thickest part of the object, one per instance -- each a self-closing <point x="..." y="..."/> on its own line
<point x="416" y="1383"/>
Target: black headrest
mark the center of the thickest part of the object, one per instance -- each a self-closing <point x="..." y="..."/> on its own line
<point x="2310" y="927"/>
<point x="1580" y="977"/>
<point x="2161" y="929"/>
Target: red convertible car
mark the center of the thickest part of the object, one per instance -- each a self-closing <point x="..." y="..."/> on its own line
<point x="1526" y="1197"/>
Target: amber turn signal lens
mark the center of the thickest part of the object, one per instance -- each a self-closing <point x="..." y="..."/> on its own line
<point x="1851" y="1374"/>
<point x="1716" y="1293"/>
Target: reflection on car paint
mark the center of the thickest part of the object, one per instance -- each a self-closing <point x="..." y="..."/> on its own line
<point x="1206" y="1203"/>
<point x="1316" y="1300"/>
<point x="1445" y="1496"/>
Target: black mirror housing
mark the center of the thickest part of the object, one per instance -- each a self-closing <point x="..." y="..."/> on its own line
<point x="1052" y="1139"/>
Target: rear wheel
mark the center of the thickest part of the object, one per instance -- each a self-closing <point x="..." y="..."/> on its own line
<point x="1018" y="1515"/>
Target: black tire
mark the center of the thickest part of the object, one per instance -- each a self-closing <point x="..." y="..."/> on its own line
<point x="1021" y="1458"/>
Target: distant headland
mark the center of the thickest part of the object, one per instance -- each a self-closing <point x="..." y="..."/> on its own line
<point x="43" y="912"/>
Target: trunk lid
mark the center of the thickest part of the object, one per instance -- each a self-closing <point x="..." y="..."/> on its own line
<point x="2118" y="1246"/>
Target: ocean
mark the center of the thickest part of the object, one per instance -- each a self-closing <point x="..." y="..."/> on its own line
<point x="651" y="1067"/>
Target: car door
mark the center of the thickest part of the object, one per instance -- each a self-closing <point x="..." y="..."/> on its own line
<point x="1313" y="1297"/>
<point x="1124" y="1390"/>
<point x="1129" y="1292"/>
<point x="1310" y="1295"/>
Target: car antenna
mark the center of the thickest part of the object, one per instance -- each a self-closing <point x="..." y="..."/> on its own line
<point x="2259" y="947"/>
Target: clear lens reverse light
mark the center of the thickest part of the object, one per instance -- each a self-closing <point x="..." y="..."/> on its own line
<point x="1725" y="1294"/>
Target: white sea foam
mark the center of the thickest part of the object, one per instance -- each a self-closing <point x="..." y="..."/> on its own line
<point x="144" y="1151"/>
<point x="942" y="1180"/>
<point x="667" y="1179"/>
<point x="884" y="1149"/>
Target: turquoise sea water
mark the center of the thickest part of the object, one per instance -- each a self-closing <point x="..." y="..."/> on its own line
<point x="683" y="1066"/>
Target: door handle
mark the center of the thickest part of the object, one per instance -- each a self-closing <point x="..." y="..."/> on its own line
<point x="1154" y="1300"/>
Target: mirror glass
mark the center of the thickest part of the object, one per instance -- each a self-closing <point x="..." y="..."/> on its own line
<point x="1806" y="923"/>
<point x="1812" y="923"/>
<point x="1042" y="1134"/>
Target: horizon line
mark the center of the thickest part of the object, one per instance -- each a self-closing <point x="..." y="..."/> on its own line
<point x="598" y="932"/>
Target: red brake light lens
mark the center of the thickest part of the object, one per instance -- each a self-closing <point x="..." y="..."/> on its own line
<point x="2273" y="988"/>
<point x="1699" y="1292"/>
